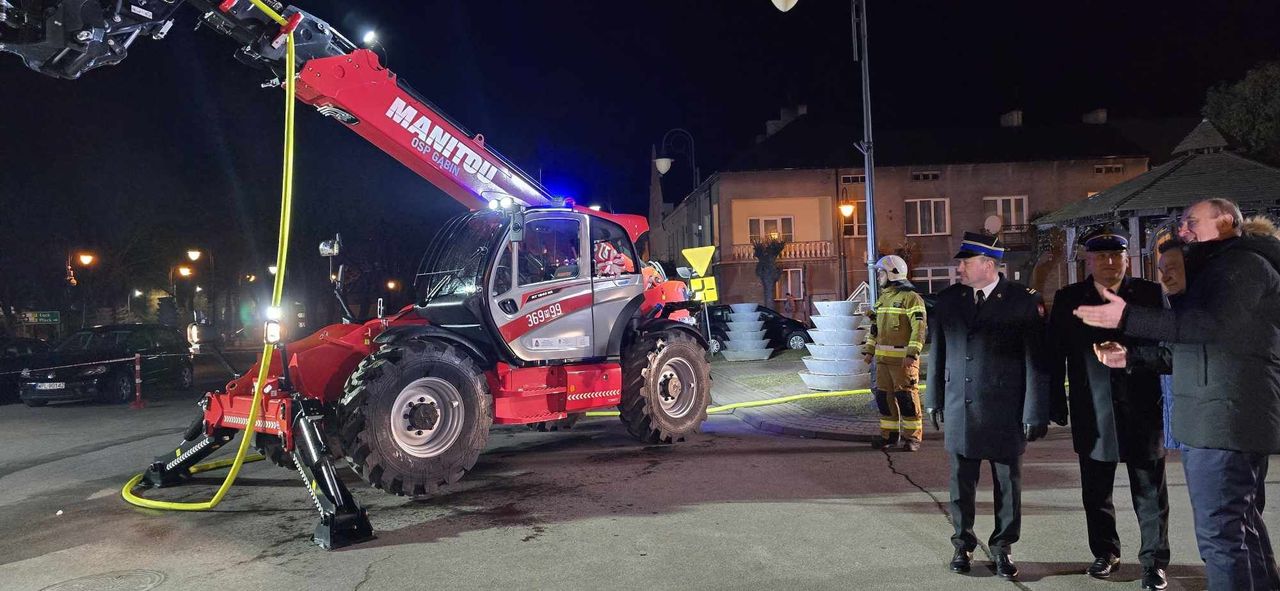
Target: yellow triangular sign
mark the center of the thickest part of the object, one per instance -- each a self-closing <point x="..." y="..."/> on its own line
<point x="699" y="258"/>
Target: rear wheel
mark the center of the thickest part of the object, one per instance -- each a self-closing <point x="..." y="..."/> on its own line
<point x="416" y="416"/>
<point x="186" y="376"/>
<point x="666" y="387"/>
<point x="715" y="344"/>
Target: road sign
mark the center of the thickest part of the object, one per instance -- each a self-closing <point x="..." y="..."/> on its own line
<point x="699" y="258"/>
<point x="53" y="317"/>
<point x="704" y="289"/>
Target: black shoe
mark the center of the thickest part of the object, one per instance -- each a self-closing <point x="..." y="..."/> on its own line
<point x="1005" y="568"/>
<point x="1153" y="578"/>
<point x="960" y="561"/>
<point x="1103" y="566"/>
<point x="882" y="443"/>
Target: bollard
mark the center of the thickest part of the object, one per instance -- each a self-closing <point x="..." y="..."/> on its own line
<point x="137" y="383"/>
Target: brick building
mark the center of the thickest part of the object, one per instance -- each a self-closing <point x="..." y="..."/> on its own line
<point x="931" y="187"/>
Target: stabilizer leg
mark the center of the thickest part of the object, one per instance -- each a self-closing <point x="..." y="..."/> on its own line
<point x="342" y="520"/>
<point x="172" y="470"/>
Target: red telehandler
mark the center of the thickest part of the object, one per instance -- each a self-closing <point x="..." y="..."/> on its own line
<point x="535" y="311"/>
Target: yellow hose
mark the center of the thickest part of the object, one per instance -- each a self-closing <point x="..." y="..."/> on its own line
<point x="753" y="403"/>
<point x="277" y="291"/>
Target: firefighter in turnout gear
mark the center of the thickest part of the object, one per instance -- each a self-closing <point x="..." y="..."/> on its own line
<point x="894" y="345"/>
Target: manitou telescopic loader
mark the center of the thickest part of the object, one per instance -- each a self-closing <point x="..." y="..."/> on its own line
<point x="535" y="311"/>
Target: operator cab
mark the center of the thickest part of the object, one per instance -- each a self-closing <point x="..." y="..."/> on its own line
<point x="533" y="286"/>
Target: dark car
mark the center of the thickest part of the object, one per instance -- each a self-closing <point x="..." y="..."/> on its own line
<point x="782" y="332"/>
<point x="15" y="354"/>
<point x="98" y="364"/>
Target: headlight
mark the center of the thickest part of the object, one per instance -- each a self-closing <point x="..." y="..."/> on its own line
<point x="271" y="332"/>
<point x="96" y="370"/>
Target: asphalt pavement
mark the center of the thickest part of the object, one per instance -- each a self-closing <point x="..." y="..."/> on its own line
<point x="732" y="508"/>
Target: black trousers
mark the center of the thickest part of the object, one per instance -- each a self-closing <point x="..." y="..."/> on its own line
<point x="1006" y="477"/>
<point x="1150" y="501"/>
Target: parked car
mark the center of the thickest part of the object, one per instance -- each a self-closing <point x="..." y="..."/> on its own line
<point x="780" y="330"/>
<point x="97" y="364"/>
<point x="15" y="354"/>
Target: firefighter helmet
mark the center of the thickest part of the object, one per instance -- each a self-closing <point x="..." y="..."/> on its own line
<point x="890" y="268"/>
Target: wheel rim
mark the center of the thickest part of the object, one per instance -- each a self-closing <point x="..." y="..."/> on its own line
<point x="795" y="342"/>
<point x="124" y="389"/>
<point x="715" y="345"/>
<point x="426" y="419"/>
<point x="677" y="387"/>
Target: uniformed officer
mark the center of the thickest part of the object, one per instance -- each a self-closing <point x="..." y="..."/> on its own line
<point x="897" y="336"/>
<point x="987" y="378"/>
<point x="1115" y="414"/>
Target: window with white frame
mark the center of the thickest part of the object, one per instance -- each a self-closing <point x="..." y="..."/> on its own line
<point x="779" y="228"/>
<point x="928" y="217"/>
<point x="1012" y="210"/>
<point x="926" y="175"/>
<point x="856" y="224"/>
<point x="933" y="279"/>
<point x="790" y="282"/>
<point x="853" y="179"/>
<point x="1108" y="169"/>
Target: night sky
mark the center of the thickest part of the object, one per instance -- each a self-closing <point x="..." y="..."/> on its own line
<point x="179" y="141"/>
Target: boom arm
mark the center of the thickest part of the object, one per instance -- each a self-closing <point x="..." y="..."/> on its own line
<point x="65" y="38"/>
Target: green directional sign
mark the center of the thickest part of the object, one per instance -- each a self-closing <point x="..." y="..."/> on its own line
<point x="53" y="317"/>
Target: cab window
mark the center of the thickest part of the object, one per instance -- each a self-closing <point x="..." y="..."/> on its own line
<point x="611" y="251"/>
<point x="502" y="271"/>
<point x="550" y="251"/>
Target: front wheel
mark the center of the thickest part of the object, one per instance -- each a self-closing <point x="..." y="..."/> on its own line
<point x="796" y="340"/>
<point x="186" y="377"/>
<point x="666" y="387"/>
<point x="416" y="416"/>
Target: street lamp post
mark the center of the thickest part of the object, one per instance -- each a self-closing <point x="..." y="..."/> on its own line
<point x="663" y="163"/>
<point x="858" y="9"/>
<point x="846" y="211"/>
<point x="85" y="259"/>
<point x="194" y="255"/>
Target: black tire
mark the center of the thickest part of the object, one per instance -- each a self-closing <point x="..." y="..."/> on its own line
<point x="795" y="340"/>
<point x="273" y="450"/>
<point x="559" y="425"/>
<point x="186" y="377"/>
<point x="716" y="344"/>
<point x="379" y="416"/>
<point x="647" y="409"/>
<point x="118" y="388"/>
<point x="35" y="403"/>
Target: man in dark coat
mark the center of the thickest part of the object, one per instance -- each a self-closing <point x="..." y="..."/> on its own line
<point x="988" y="385"/>
<point x="1115" y="413"/>
<point x="1226" y="386"/>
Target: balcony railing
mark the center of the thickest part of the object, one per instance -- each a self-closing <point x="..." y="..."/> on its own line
<point x="794" y="251"/>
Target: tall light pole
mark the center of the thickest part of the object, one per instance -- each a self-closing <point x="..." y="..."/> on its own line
<point x="858" y="10"/>
<point x="194" y="255"/>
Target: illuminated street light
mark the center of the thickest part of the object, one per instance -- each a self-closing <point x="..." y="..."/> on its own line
<point x="137" y="293"/>
<point x="370" y="38"/>
<point x="199" y="289"/>
<point x="184" y="271"/>
<point x="194" y="255"/>
<point x="846" y="209"/>
<point x="272" y="269"/>
<point x="250" y="278"/>
<point x="393" y="285"/>
<point x="785" y="5"/>
<point x="86" y="258"/>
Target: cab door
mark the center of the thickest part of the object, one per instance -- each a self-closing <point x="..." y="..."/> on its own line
<point x="616" y="279"/>
<point x="540" y="290"/>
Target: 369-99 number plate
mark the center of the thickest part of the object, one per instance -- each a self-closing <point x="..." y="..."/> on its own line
<point x="544" y="314"/>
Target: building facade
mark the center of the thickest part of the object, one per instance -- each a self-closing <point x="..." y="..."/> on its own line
<point x="926" y="198"/>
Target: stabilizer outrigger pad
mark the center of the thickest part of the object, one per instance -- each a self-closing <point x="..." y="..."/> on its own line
<point x="342" y="520"/>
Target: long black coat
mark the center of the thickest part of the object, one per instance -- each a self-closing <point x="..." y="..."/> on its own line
<point x="1115" y="413"/>
<point x="1225" y="339"/>
<point x="987" y="369"/>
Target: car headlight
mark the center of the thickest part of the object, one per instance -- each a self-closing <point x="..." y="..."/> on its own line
<point x="96" y="370"/>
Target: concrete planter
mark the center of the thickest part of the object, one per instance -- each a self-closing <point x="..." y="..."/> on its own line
<point x="744" y="316"/>
<point x="833" y="351"/>
<point x="748" y="335"/>
<point x="743" y="308"/>
<point x="734" y="344"/>
<point x="836" y="308"/>
<point x="744" y="327"/>
<point x="834" y="383"/>
<point x="835" y="366"/>
<point x="754" y="355"/>
<point x="835" y="322"/>
<point x="838" y="337"/>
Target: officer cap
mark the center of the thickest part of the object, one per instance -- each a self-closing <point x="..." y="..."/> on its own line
<point x="975" y="244"/>
<point x="1105" y="239"/>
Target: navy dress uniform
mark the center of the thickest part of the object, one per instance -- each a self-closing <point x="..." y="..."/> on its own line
<point x="1115" y="415"/>
<point x="987" y="375"/>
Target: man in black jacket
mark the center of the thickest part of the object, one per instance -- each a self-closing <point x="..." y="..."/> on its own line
<point x="1226" y="386"/>
<point x="1115" y="413"/>
<point x="987" y="378"/>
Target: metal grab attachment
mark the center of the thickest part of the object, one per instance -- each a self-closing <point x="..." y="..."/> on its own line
<point x="342" y="520"/>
